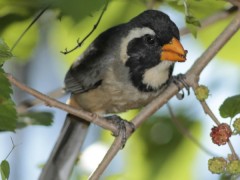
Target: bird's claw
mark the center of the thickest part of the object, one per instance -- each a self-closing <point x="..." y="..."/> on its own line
<point x="180" y="79"/>
<point x="122" y="127"/>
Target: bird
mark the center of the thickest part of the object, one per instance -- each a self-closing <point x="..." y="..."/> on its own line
<point x="125" y="67"/>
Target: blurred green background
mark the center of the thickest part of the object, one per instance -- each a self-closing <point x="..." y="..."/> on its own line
<point x="158" y="150"/>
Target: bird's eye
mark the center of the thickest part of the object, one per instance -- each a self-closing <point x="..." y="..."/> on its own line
<point x="149" y="39"/>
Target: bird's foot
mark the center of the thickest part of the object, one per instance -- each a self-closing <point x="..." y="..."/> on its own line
<point x="122" y="127"/>
<point x="180" y="79"/>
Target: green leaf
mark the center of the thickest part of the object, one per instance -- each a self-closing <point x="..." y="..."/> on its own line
<point x="79" y="9"/>
<point x="5" y="170"/>
<point x="8" y="114"/>
<point x="193" y="20"/>
<point x="5" y="86"/>
<point x="35" y="118"/>
<point x="230" y="107"/>
<point x="4" y="52"/>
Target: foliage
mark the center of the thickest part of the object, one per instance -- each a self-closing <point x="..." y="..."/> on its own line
<point x="73" y="19"/>
<point x="5" y="169"/>
<point x="34" y="118"/>
<point x="5" y="52"/>
<point x="7" y="107"/>
<point x="230" y="107"/>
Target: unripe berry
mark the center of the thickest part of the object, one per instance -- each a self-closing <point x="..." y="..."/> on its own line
<point x="202" y="92"/>
<point x="236" y="125"/>
<point x="220" y="134"/>
<point x="217" y="165"/>
<point x="233" y="167"/>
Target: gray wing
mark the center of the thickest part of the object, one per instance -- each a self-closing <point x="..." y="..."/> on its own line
<point x="88" y="71"/>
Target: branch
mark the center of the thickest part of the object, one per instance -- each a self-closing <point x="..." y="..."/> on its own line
<point x="90" y="117"/>
<point x="212" y="19"/>
<point x="192" y="76"/>
<point x="79" y="44"/>
<point x="58" y="93"/>
<point x="209" y="112"/>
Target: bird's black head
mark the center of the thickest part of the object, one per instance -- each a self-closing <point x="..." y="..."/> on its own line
<point x="150" y="48"/>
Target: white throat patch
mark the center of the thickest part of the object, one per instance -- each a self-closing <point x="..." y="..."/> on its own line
<point x="157" y="75"/>
<point x="134" y="33"/>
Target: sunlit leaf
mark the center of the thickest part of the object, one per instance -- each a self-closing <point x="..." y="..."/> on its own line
<point x="35" y="118"/>
<point x="79" y="9"/>
<point x="230" y="107"/>
<point x="4" y="52"/>
<point x="5" y="169"/>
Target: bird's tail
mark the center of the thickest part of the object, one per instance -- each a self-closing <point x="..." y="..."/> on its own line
<point x="66" y="150"/>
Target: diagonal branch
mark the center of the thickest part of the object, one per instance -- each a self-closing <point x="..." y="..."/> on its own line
<point x="192" y="76"/>
<point x="90" y="117"/>
<point x="23" y="106"/>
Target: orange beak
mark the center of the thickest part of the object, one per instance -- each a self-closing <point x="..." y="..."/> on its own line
<point x="173" y="51"/>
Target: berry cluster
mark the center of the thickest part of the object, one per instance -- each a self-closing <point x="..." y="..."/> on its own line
<point x="220" y="134"/>
<point x="219" y="165"/>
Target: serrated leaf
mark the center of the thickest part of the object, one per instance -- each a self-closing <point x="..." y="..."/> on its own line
<point x="5" y="86"/>
<point x="35" y="118"/>
<point x="5" y="170"/>
<point x="8" y="114"/>
<point x="230" y="107"/>
<point x="4" y="52"/>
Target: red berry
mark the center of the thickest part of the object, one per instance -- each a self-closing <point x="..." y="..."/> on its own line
<point x="220" y="134"/>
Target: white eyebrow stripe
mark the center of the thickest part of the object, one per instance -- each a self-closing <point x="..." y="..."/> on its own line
<point x="134" y="33"/>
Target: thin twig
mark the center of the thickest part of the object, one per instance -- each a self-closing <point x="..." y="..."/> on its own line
<point x="13" y="147"/>
<point x="79" y="43"/>
<point x="209" y="112"/>
<point x="29" y="26"/>
<point x="91" y="117"/>
<point x="186" y="132"/>
<point x="234" y="154"/>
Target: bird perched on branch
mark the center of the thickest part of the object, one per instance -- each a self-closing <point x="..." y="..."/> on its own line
<point x="125" y="67"/>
